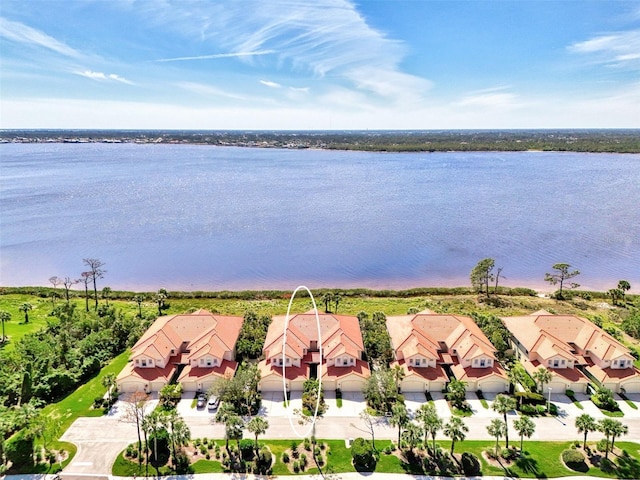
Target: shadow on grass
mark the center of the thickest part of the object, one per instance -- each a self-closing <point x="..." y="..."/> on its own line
<point x="529" y="465"/>
<point x="628" y="467"/>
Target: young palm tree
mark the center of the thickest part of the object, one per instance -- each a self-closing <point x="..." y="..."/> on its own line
<point x="504" y="404"/>
<point x="525" y="428"/>
<point x="496" y="429"/>
<point x="618" y="429"/>
<point x="431" y="423"/>
<point x="399" y="417"/>
<point x="456" y="392"/>
<point x="411" y="435"/>
<point x="108" y="381"/>
<point x="542" y="376"/>
<point x="26" y="308"/>
<point x="585" y="423"/>
<point x="4" y="317"/>
<point x="257" y="426"/>
<point x="607" y="426"/>
<point x="139" y="299"/>
<point x="398" y="374"/>
<point x="456" y="430"/>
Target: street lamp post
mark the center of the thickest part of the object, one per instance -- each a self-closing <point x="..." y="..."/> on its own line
<point x="549" y="401"/>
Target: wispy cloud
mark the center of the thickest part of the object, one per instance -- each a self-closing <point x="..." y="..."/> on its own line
<point x="21" y="33"/>
<point x="103" y="77"/>
<point x="269" y="84"/>
<point x="327" y="38"/>
<point x="495" y="97"/>
<point x="615" y="49"/>
<point x="216" y="56"/>
<point x="209" y="90"/>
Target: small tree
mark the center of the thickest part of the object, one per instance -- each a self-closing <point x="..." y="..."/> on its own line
<point x="562" y="274"/>
<point x="496" y="429"/>
<point x="399" y="418"/>
<point x="134" y="413"/>
<point x="431" y="423"/>
<point x="257" y="426"/>
<point x="109" y="382"/>
<point x="4" y="317"/>
<point x="139" y="299"/>
<point x="481" y="275"/>
<point x="370" y="422"/>
<point x="106" y="293"/>
<point x="457" y="392"/>
<point x="26" y="308"/>
<point x="96" y="271"/>
<point x="160" y="298"/>
<point x="618" y="429"/>
<point x="607" y="426"/>
<point x="456" y="430"/>
<point x="542" y="376"/>
<point x="412" y="435"/>
<point x="585" y="423"/>
<point x="525" y="428"/>
<point x="504" y="404"/>
<point x="67" y="283"/>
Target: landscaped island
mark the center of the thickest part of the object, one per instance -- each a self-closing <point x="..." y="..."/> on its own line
<point x="67" y="355"/>
<point x="617" y="141"/>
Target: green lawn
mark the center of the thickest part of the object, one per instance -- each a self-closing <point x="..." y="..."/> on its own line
<point x="541" y="460"/>
<point x="15" y="329"/>
<point x="80" y="402"/>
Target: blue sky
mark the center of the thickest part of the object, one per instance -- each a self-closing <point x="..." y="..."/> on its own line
<point x="320" y="64"/>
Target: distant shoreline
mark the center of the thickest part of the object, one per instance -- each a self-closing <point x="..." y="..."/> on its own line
<point x="557" y="140"/>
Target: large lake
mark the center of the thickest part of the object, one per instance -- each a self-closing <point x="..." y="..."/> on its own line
<point x="207" y="218"/>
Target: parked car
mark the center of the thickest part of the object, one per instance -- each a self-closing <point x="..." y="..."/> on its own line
<point x="201" y="401"/>
<point x="213" y="403"/>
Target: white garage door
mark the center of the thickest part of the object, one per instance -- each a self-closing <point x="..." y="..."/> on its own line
<point x="352" y="386"/>
<point x="130" y="387"/>
<point x="189" y="386"/>
<point x="493" y="387"/>
<point x="413" y="386"/>
<point x="436" y="386"/>
<point x="556" y="387"/>
<point x="271" y="385"/>
<point x="631" y="387"/>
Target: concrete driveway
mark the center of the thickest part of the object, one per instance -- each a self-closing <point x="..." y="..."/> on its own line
<point x="565" y="406"/>
<point x="476" y="405"/>
<point x="99" y="441"/>
<point x="588" y="406"/>
<point x="272" y="404"/>
<point x="442" y="407"/>
<point x="352" y="404"/>
<point x="413" y="402"/>
<point x="628" y="410"/>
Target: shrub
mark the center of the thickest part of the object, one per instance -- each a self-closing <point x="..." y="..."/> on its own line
<point x="363" y="455"/>
<point x="19" y="450"/>
<point x="246" y="447"/>
<point x="183" y="464"/>
<point x="569" y="393"/>
<point x="285" y="457"/>
<point x="528" y="409"/>
<point x="606" y="465"/>
<point x="530" y="397"/>
<point x="296" y="466"/>
<point x="509" y="454"/>
<point x="307" y="444"/>
<point x="470" y="464"/>
<point x="574" y="460"/>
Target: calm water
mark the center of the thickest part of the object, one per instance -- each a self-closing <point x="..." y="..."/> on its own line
<point x="199" y="217"/>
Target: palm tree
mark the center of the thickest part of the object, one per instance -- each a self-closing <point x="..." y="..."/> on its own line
<point x="336" y="301"/>
<point x="326" y="298"/>
<point x="618" y="429"/>
<point x="139" y="299"/>
<point x="607" y="426"/>
<point x="4" y="317"/>
<point x="179" y="436"/>
<point x="108" y="381"/>
<point x="496" y="429"/>
<point x="456" y="430"/>
<point x="525" y="427"/>
<point x="257" y="426"/>
<point x="516" y="374"/>
<point x="225" y="411"/>
<point x="26" y="308"/>
<point x="411" y="435"/>
<point x="624" y="287"/>
<point x="456" y="392"/>
<point x="233" y="428"/>
<point x="504" y="404"/>
<point x="160" y="297"/>
<point x="542" y="376"/>
<point x="431" y="422"/>
<point x="153" y="423"/>
<point x="399" y="417"/>
<point x="585" y="423"/>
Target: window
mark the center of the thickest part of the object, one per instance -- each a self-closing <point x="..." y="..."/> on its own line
<point x="475" y="361"/>
<point x="144" y="362"/>
<point x="151" y="361"/>
<point x="208" y="362"/>
<point x="615" y="362"/>
<point x="417" y="362"/>
<point x="202" y="361"/>
<point x="555" y="363"/>
<point x="482" y="363"/>
<point x="288" y="360"/>
<point x="411" y="361"/>
<point x="562" y="362"/>
<point x="137" y="362"/>
<point x="345" y="361"/>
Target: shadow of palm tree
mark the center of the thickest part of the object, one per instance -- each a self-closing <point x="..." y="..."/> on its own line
<point x="628" y="467"/>
<point x="529" y="465"/>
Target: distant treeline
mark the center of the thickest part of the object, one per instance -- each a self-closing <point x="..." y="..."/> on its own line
<point x="45" y="292"/>
<point x="615" y="141"/>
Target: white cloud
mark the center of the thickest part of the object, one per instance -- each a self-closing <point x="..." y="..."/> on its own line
<point x="615" y="49"/>
<point x="209" y="91"/>
<point x="269" y="84"/>
<point x="21" y="33"/>
<point x="489" y="99"/>
<point x="216" y="56"/>
<point x="324" y="38"/>
<point x="103" y="77"/>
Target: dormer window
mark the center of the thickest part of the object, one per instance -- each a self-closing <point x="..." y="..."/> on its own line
<point x="482" y="363"/>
